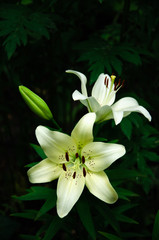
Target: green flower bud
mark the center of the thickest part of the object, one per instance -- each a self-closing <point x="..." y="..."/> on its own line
<point x="35" y="103"/>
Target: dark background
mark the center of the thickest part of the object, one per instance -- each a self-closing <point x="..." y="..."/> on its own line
<point x="40" y="39"/>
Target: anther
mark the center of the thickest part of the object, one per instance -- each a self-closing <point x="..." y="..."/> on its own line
<point x="76" y="155"/>
<point x="123" y="82"/>
<point x="119" y="82"/>
<point x="74" y="175"/>
<point x="106" y="81"/>
<point x="83" y="159"/>
<point x="66" y="156"/>
<point x="64" y="167"/>
<point x="84" y="172"/>
<point x="115" y="86"/>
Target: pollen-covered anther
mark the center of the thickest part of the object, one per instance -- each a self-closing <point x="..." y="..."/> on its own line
<point x="74" y="175"/>
<point x="83" y="159"/>
<point x="64" y="167"/>
<point x="115" y="86"/>
<point x="123" y="82"/>
<point x="76" y="155"/>
<point x="84" y="172"/>
<point x="67" y="156"/>
<point x="106" y="81"/>
<point x="118" y="85"/>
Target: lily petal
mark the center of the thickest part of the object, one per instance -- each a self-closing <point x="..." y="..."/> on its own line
<point x="99" y="185"/>
<point x="83" y="131"/>
<point x="99" y="89"/>
<point x="125" y="106"/>
<point x="104" y="113"/>
<point x="102" y="92"/>
<point x="90" y="102"/>
<point x="78" y="96"/>
<point x="44" y="171"/>
<point x="69" y="190"/>
<point x="55" y="144"/>
<point x="83" y="79"/>
<point x="102" y="155"/>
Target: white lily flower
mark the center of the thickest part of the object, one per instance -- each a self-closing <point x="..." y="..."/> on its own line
<point x="77" y="161"/>
<point x="102" y="99"/>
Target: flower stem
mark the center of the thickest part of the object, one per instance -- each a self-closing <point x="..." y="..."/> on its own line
<point x="56" y="124"/>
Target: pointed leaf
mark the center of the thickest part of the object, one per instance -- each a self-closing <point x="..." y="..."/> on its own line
<point x="38" y="150"/>
<point x="110" y="236"/>
<point x="85" y="216"/>
<point x="155" y="233"/>
<point x="53" y="228"/>
<point x="37" y="193"/>
<point x="126" y="127"/>
<point x="49" y="204"/>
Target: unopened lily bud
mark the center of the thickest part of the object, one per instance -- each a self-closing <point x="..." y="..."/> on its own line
<point x="35" y="103"/>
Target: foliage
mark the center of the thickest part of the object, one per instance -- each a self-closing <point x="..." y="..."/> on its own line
<point x="39" y="41"/>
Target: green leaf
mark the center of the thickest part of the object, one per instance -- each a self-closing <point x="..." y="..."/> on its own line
<point x="53" y="228"/>
<point x="107" y="65"/>
<point x="28" y="214"/>
<point x="117" y="64"/>
<point x="96" y="69"/>
<point x="31" y="164"/>
<point x="26" y="2"/>
<point x="38" y="150"/>
<point x="124" y="207"/>
<point x="110" y="236"/>
<point x="37" y="193"/>
<point x="152" y="156"/>
<point x="126" y="127"/>
<point x="109" y="216"/>
<point x="29" y="237"/>
<point x="10" y="45"/>
<point x="118" y="174"/>
<point x="85" y="216"/>
<point x="49" y="204"/>
<point x="123" y="218"/>
<point x="100" y="139"/>
<point x="124" y="193"/>
<point x="155" y="233"/>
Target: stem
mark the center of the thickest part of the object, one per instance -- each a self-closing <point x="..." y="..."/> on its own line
<point x="56" y="124"/>
<point x="89" y="105"/>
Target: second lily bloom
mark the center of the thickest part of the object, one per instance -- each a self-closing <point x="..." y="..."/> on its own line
<point x="103" y="97"/>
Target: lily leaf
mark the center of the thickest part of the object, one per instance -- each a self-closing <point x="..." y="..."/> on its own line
<point x="110" y="236"/>
<point x="155" y="233"/>
<point x="85" y="216"/>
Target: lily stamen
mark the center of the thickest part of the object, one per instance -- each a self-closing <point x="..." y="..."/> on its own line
<point x="83" y="159"/>
<point x="84" y="172"/>
<point x="64" y="167"/>
<point x="76" y="155"/>
<point x="67" y="156"/>
<point x="106" y="81"/>
<point x="74" y="175"/>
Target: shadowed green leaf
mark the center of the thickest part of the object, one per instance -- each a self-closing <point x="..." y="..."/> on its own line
<point x="38" y="150"/>
<point x="53" y="228"/>
<point x="155" y="233"/>
<point x="110" y="236"/>
<point x="85" y="216"/>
